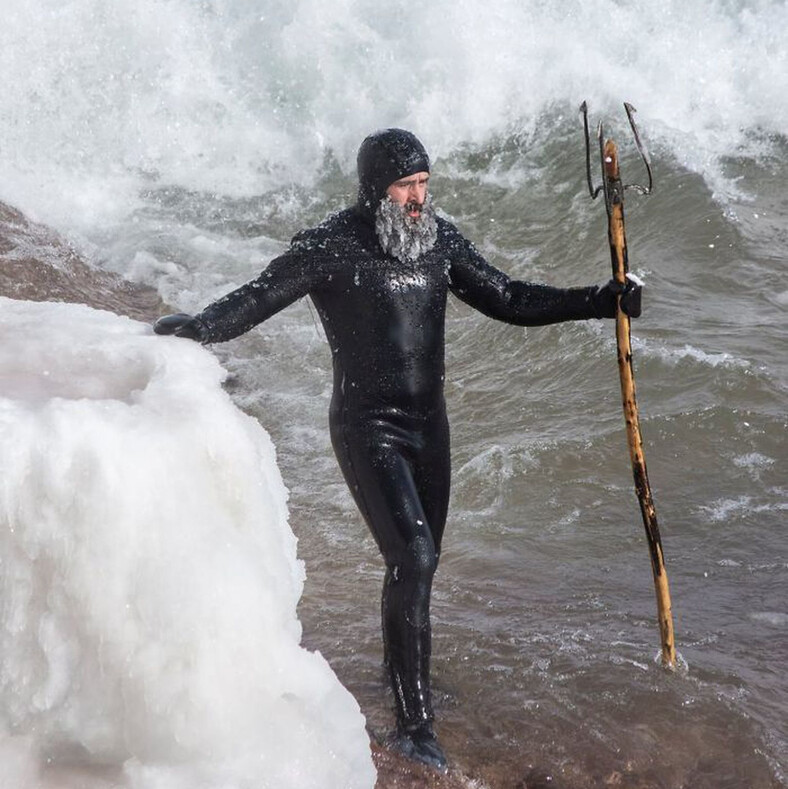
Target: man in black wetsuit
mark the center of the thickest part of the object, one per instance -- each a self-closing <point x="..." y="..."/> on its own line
<point x="379" y="274"/>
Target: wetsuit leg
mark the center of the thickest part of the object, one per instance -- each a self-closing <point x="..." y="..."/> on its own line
<point x="410" y="596"/>
<point x="398" y="470"/>
<point x="432" y="474"/>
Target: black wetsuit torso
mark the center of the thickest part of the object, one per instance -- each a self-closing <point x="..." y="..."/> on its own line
<point x="384" y="320"/>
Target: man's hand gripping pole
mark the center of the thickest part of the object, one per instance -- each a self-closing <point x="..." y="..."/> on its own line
<point x="613" y="190"/>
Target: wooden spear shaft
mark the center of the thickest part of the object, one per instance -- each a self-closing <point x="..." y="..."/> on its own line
<point x="614" y="201"/>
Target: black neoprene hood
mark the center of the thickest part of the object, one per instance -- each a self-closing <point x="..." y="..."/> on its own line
<point x="384" y="157"/>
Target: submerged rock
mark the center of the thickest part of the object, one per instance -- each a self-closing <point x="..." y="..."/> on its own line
<point x="38" y="264"/>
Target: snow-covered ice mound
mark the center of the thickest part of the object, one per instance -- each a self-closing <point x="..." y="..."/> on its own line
<point x="148" y="575"/>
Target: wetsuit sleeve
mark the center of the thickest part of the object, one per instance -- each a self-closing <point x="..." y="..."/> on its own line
<point x="286" y="279"/>
<point x="492" y="292"/>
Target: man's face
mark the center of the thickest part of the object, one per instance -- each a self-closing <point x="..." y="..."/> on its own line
<point x="410" y="192"/>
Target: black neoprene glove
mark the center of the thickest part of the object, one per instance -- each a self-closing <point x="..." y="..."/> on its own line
<point x="605" y="298"/>
<point x="181" y="325"/>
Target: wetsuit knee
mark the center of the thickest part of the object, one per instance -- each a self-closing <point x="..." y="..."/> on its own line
<point x="418" y="562"/>
<point x="409" y="582"/>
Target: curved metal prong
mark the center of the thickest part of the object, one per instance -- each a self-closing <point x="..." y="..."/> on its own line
<point x="605" y="188"/>
<point x="644" y="154"/>
<point x="594" y="192"/>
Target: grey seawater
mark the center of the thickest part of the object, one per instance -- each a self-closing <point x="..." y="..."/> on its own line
<point x="544" y="614"/>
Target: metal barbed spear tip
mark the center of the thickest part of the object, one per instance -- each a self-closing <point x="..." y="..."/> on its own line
<point x="613" y="190"/>
<point x="643" y="150"/>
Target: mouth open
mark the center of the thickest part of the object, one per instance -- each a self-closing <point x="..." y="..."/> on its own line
<point x="413" y="209"/>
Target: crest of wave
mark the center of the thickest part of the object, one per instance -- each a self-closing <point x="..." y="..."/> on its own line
<point x="240" y="97"/>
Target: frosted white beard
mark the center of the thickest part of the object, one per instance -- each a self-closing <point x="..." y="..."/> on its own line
<point x="405" y="237"/>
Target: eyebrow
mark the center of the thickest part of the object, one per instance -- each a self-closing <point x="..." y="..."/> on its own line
<point x="407" y="181"/>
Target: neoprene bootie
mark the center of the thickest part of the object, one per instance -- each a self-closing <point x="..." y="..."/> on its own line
<point x="420" y="744"/>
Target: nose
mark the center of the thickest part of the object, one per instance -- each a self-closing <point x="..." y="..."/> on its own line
<point x="416" y="192"/>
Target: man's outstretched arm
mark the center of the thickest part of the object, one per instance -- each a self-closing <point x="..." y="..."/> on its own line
<point x="492" y="292"/>
<point x="284" y="281"/>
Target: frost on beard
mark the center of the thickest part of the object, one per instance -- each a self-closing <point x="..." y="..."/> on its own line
<point x="404" y="237"/>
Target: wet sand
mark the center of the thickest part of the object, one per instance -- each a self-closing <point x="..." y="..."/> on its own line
<point x="396" y="772"/>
